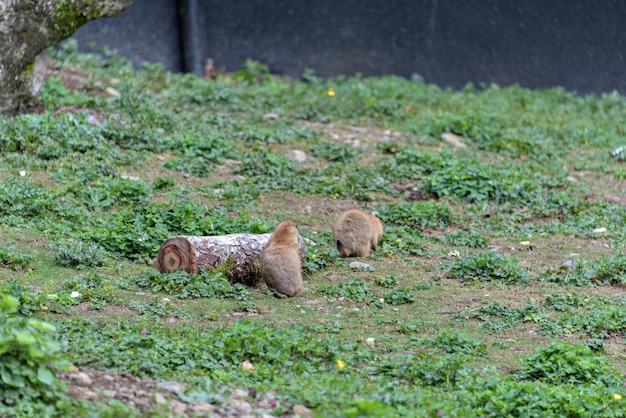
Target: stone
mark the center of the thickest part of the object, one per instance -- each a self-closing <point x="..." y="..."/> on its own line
<point x="27" y="29"/>
<point x="172" y="386"/>
<point x="570" y="264"/>
<point x="159" y="398"/>
<point x="361" y="266"/>
<point x="453" y="139"/>
<point x="242" y="407"/>
<point x="302" y="411"/>
<point x="177" y="407"/>
<point x="239" y="394"/>
<point x="296" y="155"/>
<point x="82" y="379"/>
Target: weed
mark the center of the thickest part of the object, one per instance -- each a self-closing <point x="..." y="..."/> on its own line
<point x="562" y="363"/>
<point x="416" y="215"/>
<point x="11" y="258"/>
<point x="456" y="343"/>
<point x="29" y="356"/>
<point x="398" y="296"/>
<point x="206" y="284"/>
<point x="354" y="289"/>
<point x="464" y="239"/>
<point x="487" y="267"/>
<point x="388" y="282"/>
<point x="78" y="253"/>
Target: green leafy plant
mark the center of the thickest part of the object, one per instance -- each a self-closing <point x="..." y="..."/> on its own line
<point x="206" y="284"/>
<point x="333" y="152"/>
<point x="11" y="258"/>
<point x="417" y="215"/>
<point x="79" y="253"/>
<point x="464" y="239"/>
<point x="562" y="363"/>
<point x="456" y="343"/>
<point x="29" y="356"/>
<point x="398" y="296"/>
<point x="487" y="267"/>
<point x="354" y="289"/>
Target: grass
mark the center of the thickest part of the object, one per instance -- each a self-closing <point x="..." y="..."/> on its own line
<point x="467" y="309"/>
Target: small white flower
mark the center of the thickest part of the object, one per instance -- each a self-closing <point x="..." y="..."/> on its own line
<point x="454" y="253"/>
<point x="74" y="294"/>
<point x="166" y="299"/>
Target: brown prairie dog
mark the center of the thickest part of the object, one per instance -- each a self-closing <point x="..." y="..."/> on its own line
<point x="357" y="233"/>
<point x="280" y="261"/>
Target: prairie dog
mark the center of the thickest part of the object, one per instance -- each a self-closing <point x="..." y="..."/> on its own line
<point x="357" y="233"/>
<point x="280" y="261"/>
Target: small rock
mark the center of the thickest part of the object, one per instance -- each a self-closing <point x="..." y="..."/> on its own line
<point x="271" y="116"/>
<point x="131" y="178"/>
<point x="370" y="341"/>
<point x="186" y="175"/>
<point x="359" y="265"/>
<point x="171" y="386"/>
<point x="22" y="173"/>
<point x="177" y="407"/>
<point x="238" y="394"/>
<point x="242" y="407"/>
<point x="82" y="379"/>
<point x="570" y="264"/>
<point x="160" y="158"/>
<point x="172" y="320"/>
<point x="494" y="248"/>
<point x="110" y="393"/>
<point x="453" y="139"/>
<point x="296" y="155"/>
<point x="302" y="411"/>
<point x="247" y="366"/>
<point x="264" y="415"/>
<point x="228" y="161"/>
<point x="159" y="398"/>
<point x="525" y="243"/>
<point x="599" y="230"/>
<point x="572" y="179"/>
<point x="202" y="407"/>
<point x="112" y="92"/>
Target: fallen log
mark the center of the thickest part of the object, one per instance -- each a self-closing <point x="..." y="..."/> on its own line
<point x="239" y="253"/>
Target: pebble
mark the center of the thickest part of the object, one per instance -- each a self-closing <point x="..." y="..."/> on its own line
<point x="171" y="386"/>
<point x="82" y="379"/>
<point x="159" y="398"/>
<point x="359" y="265"/>
<point x="570" y="264"/>
<point x="302" y="411"/>
<point x="242" y="407"/>
<point x="296" y="155"/>
<point x="239" y="394"/>
<point x="453" y="139"/>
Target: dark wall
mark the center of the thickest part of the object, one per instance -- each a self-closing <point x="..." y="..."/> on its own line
<point x="536" y="43"/>
<point x="147" y="31"/>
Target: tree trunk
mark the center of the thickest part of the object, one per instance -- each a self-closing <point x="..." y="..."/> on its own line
<point x="240" y="252"/>
<point x="27" y="28"/>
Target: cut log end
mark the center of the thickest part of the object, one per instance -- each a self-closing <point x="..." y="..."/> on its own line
<point x="237" y="254"/>
<point x="177" y="254"/>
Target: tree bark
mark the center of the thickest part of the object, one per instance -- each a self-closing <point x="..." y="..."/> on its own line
<point x="240" y="253"/>
<point x="27" y="28"/>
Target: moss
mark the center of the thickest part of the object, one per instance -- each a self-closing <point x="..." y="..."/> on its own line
<point x="68" y="18"/>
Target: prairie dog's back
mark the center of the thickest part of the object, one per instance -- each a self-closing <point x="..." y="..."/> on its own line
<point x="280" y="261"/>
<point x="356" y="233"/>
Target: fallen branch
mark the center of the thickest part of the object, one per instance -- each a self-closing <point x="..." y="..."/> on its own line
<point x="239" y="252"/>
